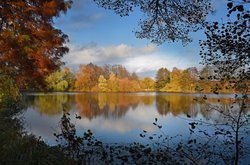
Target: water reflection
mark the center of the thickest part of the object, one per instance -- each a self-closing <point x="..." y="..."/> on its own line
<point x="116" y="105"/>
<point x="50" y="105"/>
<point x="109" y="105"/>
<point x="121" y="117"/>
<point x="118" y="117"/>
<point x="175" y="104"/>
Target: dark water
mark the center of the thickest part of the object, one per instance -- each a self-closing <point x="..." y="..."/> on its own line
<point x="119" y="117"/>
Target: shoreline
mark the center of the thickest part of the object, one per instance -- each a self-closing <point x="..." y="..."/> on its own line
<point x="159" y="92"/>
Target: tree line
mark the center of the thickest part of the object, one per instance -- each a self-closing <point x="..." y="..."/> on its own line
<point x="116" y="78"/>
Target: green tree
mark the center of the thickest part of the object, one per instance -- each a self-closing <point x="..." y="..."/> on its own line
<point x="60" y="80"/>
<point x="162" y="78"/>
<point x="56" y="82"/>
<point x="69" y="77"/>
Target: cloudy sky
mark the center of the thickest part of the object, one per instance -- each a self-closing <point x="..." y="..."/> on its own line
<point x="102" y="37"/>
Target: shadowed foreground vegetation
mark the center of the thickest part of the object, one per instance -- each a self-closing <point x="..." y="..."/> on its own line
<point x="18" y="147"/>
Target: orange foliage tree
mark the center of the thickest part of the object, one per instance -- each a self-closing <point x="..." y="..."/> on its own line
<point x="87" y="77"/>
<point x="30" y="47"/>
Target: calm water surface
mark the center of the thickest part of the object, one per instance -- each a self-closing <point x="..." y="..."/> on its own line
<point x="118" y="117"/>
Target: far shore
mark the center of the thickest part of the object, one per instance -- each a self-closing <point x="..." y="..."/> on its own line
<point x="169" y="92"/>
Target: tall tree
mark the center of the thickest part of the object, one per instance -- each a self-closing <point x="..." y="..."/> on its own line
<point x="120" y="71"/>
<point x="207" y="73"/>
<point x="194" y="73"/>
<point x="175" y="81"/>
<point x="107" y="69"/>
<point x="165" y="20"/>
<point x="134" y="76"/>
<point x="162" y="78"/>
<point x="187" y="81"/>
<point x="30" y="46"/>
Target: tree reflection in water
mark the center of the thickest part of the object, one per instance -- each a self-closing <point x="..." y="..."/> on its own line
<point x="116" y="105"/>
<point x="49" y="104"/>
<point x="109" y="104"/>
<point x="222" y="138"/>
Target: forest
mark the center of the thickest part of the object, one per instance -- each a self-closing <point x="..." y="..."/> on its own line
<point x="116" y="78"/>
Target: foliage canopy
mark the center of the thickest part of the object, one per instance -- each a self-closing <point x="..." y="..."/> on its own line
<point x="30" y="47"/>
<point x="164" y="20"/>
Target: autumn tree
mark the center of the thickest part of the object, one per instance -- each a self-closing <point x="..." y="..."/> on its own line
<point x="87" y="77"/>
<point x="107" y="69"/>
<point x="102" y="84"/>
<point x="175" y="79"/>
<point x="148" y="84"/>
<point x="163" y="20"/>
<point x="113" y="83"/>
<point x="207" y="73"/>
<point x="30" y="46"/>
<point x="120" y="71"/>
<point x="162" y="78"/>
<point x="134" y="86"/>
<point x="194" y="73"/>
<point x="82" y="78"/>
<point x="206" y="78"/>
<point x="124" y="85"/>
<point x="134" y="76"/>
<point x="187" y="82"/>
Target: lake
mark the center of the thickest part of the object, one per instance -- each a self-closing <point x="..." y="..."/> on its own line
<point x="122" y="117"/>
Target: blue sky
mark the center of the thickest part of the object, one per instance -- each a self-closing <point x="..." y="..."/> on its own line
<point x="102" y="37"/>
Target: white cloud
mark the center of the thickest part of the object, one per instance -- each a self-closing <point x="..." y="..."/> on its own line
<point x="143" y="60"/>
<point x="155" y="61"/>
<point x="96" y="54"/>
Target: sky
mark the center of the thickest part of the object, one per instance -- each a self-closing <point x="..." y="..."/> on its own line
<point x="100" y="36"/>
